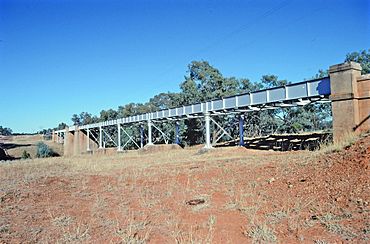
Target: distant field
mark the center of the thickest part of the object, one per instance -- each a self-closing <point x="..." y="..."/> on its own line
<point x="15" y="145"/>
<point x="226" y="195"/>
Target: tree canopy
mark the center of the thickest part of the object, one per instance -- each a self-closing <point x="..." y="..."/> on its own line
<point x="204" y="82"/>
<point x="362" y="57"/>
<point x="4" y="131"/>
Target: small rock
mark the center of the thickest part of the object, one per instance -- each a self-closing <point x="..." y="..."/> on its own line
<point x="339" y="199"/>
<point x="314" y="217"/>
<point x="271" y="180"/>
<point x="195" y="202"/>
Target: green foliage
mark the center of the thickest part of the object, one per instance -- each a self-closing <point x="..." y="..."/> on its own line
<point x="84" y="118"/>
<point x="108" y="115"/>
<point x="269" y="81"/>
<point x="204" y="82"/>
<point x="25" y="155"/>
<point x="5" y="131"/>
<point x="61" y="126"/>
<point x="44" y="151"/>
<point x="362" y="57"/>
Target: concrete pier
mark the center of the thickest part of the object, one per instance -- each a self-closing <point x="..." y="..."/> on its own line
<point x="350" y="97"/>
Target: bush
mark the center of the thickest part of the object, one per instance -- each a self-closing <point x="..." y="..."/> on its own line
<point x="44" y="151"/>
<point x="25" y="155"/>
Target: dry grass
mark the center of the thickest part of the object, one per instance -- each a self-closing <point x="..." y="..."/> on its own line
<point x="132" y="195"/>
<point x="348" y="140"/>
<point x="28" y="143"/>
<point x="261" y="234"/>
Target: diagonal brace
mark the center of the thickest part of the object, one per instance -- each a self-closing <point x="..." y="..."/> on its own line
<point x="130" y="138"/>
<point x="165" y="137"/>
<point x="221" y="129"/>
<point x="109" y="137"/>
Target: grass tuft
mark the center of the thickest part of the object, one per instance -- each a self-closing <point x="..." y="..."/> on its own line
<point x="261" y="234"/>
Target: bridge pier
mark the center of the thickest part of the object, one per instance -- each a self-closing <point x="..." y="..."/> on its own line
<point x="53" y="136"/>
<point x="350" y="97"/>
<point x="68" y="142"/>
<point x="77" y="142"/>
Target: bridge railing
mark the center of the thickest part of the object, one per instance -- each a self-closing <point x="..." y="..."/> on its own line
<point x="272" y="97"/>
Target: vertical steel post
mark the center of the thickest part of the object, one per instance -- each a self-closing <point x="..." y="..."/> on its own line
<point x="241" y="130"/>
<point x="208" y="130"/>
<point x="88" y="140"/>
<point x="177" y="133"/>
<point x="119" y="137"/>
<point x="100" y="137"/>
<point x="141" y="136"/>
<point x="150" y="142"/>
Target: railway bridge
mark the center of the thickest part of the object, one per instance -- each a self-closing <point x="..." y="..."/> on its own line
<point x="345" y="87"/>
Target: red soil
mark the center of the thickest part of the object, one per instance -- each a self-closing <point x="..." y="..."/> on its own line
<point x="299" y="198"/>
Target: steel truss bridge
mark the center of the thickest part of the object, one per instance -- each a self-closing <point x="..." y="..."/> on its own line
<point x="297" y="94"/>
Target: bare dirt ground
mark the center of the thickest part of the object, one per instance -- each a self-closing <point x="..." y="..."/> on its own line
<point x="226" y="195"/>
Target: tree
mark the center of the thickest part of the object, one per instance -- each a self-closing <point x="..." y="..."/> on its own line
<point x="4" y="131"/>
<point x="83" y="118"/>
<point x="44" y="151"/>
<point x="190" y="91"/>
<point x="362" y="57"/>
<point x="76" y="119"/>
<point x="203" y="82"/>
<point x="109" y="114"/>
<point x="61" y="126"/>
<point x="245" y="85"/>
<point x="87" y="118"/>
<point x="134" y="109"/>
<point x="164" y="101"/>
<point x="269" y="81"/>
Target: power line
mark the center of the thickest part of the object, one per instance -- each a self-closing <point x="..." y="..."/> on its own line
<point x="229" y="35"/>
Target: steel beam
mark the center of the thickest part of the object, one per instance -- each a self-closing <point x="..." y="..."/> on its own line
<point x="177" y="141"/>
<point x="119" y="137"/>
<point x="150" y="142"/>
<point x="100" y="137"/>
<point x="165" y="137"/>
<point x="241" y="130"/>
<point x="207" y="119"/>
<point x="141" y="136"/>
<point x="130" y="138"/>
<point x="297" y="94"/>
<point x="88" y="140"/>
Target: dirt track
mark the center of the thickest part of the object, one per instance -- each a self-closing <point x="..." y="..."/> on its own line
<point x="229" y="195"/>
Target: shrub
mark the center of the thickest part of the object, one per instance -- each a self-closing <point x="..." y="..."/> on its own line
<point x="25" y="155"/>
<point x="44" y="151"/>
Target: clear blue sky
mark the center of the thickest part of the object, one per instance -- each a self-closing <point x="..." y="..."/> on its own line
<point x="63" y="57"/>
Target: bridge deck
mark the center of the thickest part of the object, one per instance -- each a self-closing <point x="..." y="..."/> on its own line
<point x="296" y="94"/>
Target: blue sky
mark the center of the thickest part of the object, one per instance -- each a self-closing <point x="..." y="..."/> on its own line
<point x="58" y="58"/>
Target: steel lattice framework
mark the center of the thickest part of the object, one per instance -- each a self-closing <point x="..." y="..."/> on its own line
<point x="296" y="94"/>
